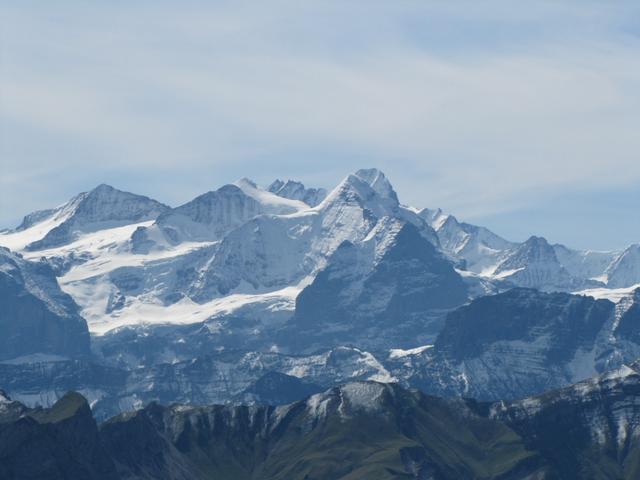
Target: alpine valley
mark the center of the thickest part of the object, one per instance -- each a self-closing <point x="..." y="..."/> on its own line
<point x="312" y="318"/>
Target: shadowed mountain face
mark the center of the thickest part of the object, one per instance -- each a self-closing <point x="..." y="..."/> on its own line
<point x="524" y="342"/>
<point x="58" y="443"/>
<point x="565" y="322"/>
<point x="35" y="315"/>
<point x="588" y="430"/>
<point x="360" y="430"/>
<point x="377" y="293"/>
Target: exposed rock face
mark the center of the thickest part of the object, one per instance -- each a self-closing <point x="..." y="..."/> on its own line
<point x="534" y="264"/>
<point x="36" y="316"/>
<point x="275" y="388"/>
<point x="524" y="342"/>
<point x="565" y="322"/>
<point x="376" y="293"/>
<point x="297" y="191"/>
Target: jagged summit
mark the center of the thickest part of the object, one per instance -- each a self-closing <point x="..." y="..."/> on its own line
<point x="295" y="190"/>
<point x="477" y="248"/>
<point x="367" y="188"/>
<point x="378" y="182"/>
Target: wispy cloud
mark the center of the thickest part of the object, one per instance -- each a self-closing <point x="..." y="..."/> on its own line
<point x="479" y="108"/>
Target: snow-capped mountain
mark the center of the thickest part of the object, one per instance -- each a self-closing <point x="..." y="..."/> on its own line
<point x="531" y="263"/>
<point x="103" y="207"/>
<point x="132" y="260"/>
<point x="479" y="248"/>
<point x="241" y="282"/>
<point x="129" y="260"/>
<point x="585" y="264"/>
<point x="534" y="264"/>
<point x="211" y="216"/>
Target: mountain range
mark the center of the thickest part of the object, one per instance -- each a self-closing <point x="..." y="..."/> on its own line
<point x="264" y="296"/>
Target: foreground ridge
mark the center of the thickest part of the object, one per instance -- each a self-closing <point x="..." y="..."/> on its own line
<point x="357" y="430"/>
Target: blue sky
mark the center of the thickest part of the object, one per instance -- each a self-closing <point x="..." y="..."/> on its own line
<point x="523" y="116"/>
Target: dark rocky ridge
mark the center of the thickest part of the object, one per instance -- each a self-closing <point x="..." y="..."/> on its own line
<point x="359" y="430"/>
<point x="58" y="443"/>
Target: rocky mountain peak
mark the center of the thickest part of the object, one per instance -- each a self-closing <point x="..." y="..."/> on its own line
<point x="295" y="190"/>
<point x="378" y="182"/>
<point x="367" y="188"/>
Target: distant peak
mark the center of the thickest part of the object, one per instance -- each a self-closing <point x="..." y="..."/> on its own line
<point x="229" y="188"/>
<point x="279" y="186"/>
<point x="535" y="240"/>
<point x="369" y="175"/>
<point x="103" y="188"/>
<point x="296" y="190"/>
